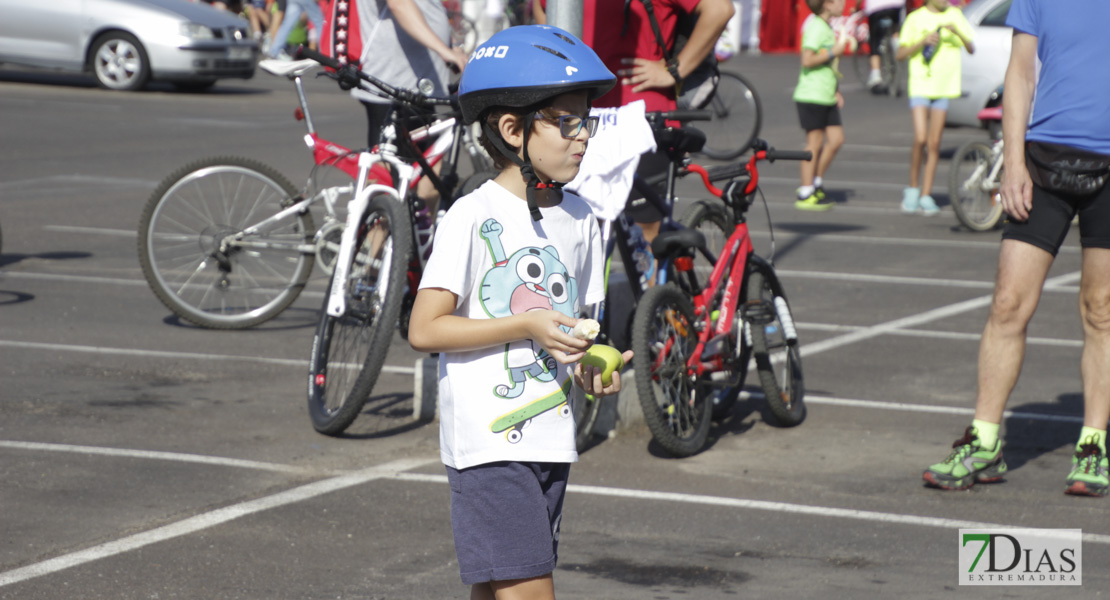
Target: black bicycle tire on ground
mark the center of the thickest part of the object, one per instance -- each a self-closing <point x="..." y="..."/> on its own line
<point x="192" y="187"/>
<point x="975" y="209"/>
<point x="662" y="415"/>
<point x="787" y="403"/>
<point x="739" y="97"/>
<point x="371" y="345"/>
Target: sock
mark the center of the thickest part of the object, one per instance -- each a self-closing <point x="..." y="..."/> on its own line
<point x="1091" y="431"/>
<point x="875" y="73"/>
<point x="987" y="432"/>
<point x="817" y="181"/>
<point x="805" y="192"/>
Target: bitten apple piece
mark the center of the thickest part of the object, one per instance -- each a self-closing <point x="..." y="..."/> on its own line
<point x="586" y="329"/>
<point x="606" y="358"/>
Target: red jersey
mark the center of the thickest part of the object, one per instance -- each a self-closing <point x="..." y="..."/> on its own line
<point x="602" y="21"/>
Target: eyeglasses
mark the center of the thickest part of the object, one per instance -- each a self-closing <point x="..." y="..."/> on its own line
<point x="571" y="125"/>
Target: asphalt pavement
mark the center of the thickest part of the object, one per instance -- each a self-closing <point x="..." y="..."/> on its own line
<point x="143" y="458"/>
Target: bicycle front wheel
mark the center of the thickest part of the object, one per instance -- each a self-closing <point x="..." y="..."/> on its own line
<point x="775" y="346"/>
<point x="737" y="117"/>
<point x="201" y="255"/>
<point x="348" y="351"/>
<point x="715" y="223"/>
<point x="663" y="338"/>
<point x="970" y="188"/>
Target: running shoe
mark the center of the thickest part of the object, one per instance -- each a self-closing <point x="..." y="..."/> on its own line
<point x="967" y="465"/>
<point x="929" y="206"/>
<point x="1089" y="470"/>
<point x="819" y="192"/>
<point x="813" y="202"/>
<point x="910" y="200"/>
<point x="874" y="80"/>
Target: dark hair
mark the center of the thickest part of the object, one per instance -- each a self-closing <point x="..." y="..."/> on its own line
<point x="492" y="118"/>
<point x="815" y="5"/>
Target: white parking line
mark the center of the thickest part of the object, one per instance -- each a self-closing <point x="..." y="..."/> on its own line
<point x="149" y="454"/>
<point x="781" y="507"/>
<point x="177" y="355"/>
<point x="210" y="519"/>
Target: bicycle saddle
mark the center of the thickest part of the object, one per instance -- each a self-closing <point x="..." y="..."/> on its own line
<point x="680" y="140"/>
<point x="681" y="242"/>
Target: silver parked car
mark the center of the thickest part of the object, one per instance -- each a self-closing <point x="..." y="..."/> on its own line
<point x="126" y="43"/>
<point x="984" y="71"/>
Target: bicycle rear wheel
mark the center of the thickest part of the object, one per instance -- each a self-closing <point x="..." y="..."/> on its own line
<point x="737" y="117"/>
<point x="970" y="190"/>
<point x="348" y="351"/>
<point x="199" y="256"/>
<point x="777" y="358"/>
<point x="586" y="411"/>
<point x="663" y="338"/>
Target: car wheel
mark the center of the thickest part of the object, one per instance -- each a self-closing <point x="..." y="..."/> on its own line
<point x="119" y="62"/>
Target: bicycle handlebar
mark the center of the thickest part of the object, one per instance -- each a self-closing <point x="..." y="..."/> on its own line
<point x="351" y="75"/>
<point x="680" y="115"/>
<point x="773" y="155"/>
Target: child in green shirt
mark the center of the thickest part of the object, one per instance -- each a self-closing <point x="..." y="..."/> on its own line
<point x="819" y="101"/>
<point x="931" y="39"/>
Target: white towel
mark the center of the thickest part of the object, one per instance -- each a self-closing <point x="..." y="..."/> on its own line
<point x="605" y="178"/>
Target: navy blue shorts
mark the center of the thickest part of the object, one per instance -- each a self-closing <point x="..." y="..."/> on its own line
<point x="505" y="517"/>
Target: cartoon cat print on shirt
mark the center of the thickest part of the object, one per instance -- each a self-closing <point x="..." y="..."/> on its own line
<point x="531" y="279"/>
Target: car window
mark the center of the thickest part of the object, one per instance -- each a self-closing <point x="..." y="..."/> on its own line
<point x="997" y="16"/>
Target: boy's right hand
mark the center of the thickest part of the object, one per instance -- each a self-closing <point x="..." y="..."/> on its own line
<point x="543" y="328"/>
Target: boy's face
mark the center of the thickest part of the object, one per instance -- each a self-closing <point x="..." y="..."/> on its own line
<point x="836" y="7"/>
<point x="553" y="156"/>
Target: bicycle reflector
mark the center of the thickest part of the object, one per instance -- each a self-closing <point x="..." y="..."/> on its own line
<point x="684" y="264"/>
<point x="298" y="114"/>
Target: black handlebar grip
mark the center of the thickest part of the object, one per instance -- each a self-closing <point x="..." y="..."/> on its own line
<point x="773" y="154"/>
<point x="323" y="59"/>
<point x="687" y="115"/>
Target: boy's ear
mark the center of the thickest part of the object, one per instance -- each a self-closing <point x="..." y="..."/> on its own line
<point x="511" y="130"/>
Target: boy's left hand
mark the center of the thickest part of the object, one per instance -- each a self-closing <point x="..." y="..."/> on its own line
<point x="589" y="378"/>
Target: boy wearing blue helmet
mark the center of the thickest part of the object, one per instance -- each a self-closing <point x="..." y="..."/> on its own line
<point x="514" y="263"/>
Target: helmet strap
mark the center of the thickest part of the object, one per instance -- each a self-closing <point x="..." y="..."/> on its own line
<point x="531" y="179"/>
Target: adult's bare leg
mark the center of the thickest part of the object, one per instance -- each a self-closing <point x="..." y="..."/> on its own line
<point x="1022" y="269"/>
<point x="1094" y="310"/>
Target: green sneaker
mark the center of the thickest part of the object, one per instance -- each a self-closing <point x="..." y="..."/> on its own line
<point x="967" y="465"/>
<point x="1089" y="470"/>
<point x="812" y="203"/>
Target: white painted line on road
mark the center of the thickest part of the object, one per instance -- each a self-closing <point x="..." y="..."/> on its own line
<point x="210" y="519"/>
<point x="40" y="185"/>
<point x="176" y="355"/>
<point x="71" y="278"/>
<point x="92" y="230"/>
<point x="944" y="335"/>
<point x="925" y="408"/>
<point x="781" y="507"/>
<point x="919" y="319"/>
<point x="150" y="454"/>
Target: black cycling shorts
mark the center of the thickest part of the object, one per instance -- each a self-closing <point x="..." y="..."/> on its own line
<point x="876" y="29"/>
<point x="1051" y="217"/>
<point x="817" y="116"/>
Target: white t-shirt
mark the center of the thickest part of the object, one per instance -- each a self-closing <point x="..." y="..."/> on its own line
<point x="511" y="402"/>
<point x="605" y="179"/>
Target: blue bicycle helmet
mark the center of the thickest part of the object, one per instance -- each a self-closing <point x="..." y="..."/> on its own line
<point x="525" y="65"/>
<point x="521" y="67"/>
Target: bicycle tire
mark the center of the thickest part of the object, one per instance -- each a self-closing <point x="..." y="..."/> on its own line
<point x="586" y="411"/>
<point x="785" y="396"/>
<point x="975" y="206"/>
<point x="677" y="414"/>
<point x="715" y="223"/>
<point x="180" y="233"/>
<point x="348" y="351"/>
<point x="737" y="118"/>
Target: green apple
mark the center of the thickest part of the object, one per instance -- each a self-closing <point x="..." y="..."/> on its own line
<point x="605" y="358"/>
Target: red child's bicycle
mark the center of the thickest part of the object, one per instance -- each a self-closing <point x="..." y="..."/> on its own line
<point x="693" y="342"/>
